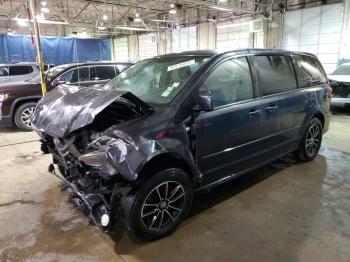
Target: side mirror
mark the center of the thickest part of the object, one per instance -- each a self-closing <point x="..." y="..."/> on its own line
<point x="204" y="101"/>
<point x="58" y="82"/>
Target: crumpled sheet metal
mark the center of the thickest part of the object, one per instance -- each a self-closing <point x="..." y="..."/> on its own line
<point x="68" y="108"/>
<point x="115" y="155"/>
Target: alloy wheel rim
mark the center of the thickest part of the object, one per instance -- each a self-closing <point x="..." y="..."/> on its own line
<point x="163" y="205"/>
<point x="313" y="139"/>
<point x="26" y="116"/>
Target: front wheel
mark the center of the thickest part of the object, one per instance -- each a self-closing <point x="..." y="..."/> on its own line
<point x="311" y="142"/>
<point x="159" y="205"/>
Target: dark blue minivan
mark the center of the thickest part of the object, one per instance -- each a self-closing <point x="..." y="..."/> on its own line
<point x="178" y="123"/>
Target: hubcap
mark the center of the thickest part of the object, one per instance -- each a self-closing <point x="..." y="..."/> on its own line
<point x="313" y="139"/>
<point x="26" y="116"/>
<point x="163" y="205"/>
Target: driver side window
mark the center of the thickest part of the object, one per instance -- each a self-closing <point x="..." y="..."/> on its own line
<point x="230" y="82"/>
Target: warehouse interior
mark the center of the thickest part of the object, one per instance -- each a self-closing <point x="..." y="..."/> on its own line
<point x="285" y="210"/>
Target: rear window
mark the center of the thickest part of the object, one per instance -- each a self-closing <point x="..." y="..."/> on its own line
<point x="103" y="72"/>
<point x="309" y="71"/>
<point x="4" y="71"/>
<point x="20" y="70"/>
<point x="276" y="74"/>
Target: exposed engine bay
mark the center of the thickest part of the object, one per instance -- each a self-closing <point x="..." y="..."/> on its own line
<point x="97" y="162"/>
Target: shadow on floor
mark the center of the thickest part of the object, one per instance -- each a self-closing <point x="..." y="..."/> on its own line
<point x="203" y="200"/>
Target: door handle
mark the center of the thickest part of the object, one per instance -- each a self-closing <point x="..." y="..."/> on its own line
<point x="272" y="108"/>
<point x="254" y="112"/>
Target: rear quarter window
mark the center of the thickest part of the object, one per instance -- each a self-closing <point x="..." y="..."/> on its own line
<point x="4" y="71"/>
<point x="20" y="70"/>
<point x="276" y="74"/>
<point x="309" y="71"/>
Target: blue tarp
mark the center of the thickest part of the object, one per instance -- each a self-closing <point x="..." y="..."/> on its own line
<point x="56" y="50"/>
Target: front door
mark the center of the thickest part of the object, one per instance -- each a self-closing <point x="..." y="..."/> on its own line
<point x="227" y="136"/>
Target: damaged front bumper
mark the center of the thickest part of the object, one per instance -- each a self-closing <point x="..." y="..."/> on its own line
<point x="95" y="206"/>
<point x="98" y="176"/>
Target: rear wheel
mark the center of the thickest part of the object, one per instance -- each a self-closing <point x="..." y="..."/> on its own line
<point x="23" y="116"/>
<point x="311" y="142"/>
<point x="159" y="205"/>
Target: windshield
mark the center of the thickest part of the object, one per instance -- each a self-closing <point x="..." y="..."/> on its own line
<point x="342" y="70"/>
<point x="157" y="81"/>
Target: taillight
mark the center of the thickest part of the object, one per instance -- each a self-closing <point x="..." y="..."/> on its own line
<point x="329" y="92"/>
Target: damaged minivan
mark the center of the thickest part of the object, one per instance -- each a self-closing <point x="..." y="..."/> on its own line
<point x="138" y="148"/>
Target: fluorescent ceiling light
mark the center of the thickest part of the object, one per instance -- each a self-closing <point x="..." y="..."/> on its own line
<point x="42" y="20"/>
<point x="132" y="28"/>
<point x="164" y="21"/>
<point x="101" y="27"/>
<point x="21" y="22"/>
<point x="220" y="8"/>
<point x="104" y="17"/>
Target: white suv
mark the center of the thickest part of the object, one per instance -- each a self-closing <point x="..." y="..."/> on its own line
<point x="18" y="72"/>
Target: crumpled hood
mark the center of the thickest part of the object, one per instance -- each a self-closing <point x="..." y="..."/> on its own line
<point x="68" y="108"/>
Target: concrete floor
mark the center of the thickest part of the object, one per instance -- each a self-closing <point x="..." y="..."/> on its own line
<point x="283" y="212"/>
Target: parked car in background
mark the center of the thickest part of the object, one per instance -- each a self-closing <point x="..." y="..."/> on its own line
<point x="174" y="124"/>
<point x="340" y="82"/>
<point x="19" y="71"/>
<point x="18" y="99"/>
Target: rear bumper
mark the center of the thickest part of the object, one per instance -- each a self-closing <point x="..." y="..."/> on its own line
<point x="5" y="121"/>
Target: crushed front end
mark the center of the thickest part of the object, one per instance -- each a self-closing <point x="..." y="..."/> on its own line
<point x="97" y="169"/>
<point x="97" y="163"/>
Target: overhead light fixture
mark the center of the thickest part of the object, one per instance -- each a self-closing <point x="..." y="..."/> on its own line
<point x="137" y="18"/>
<point x="101" y="27"/>
<point x="44" y="7"/>
<point x="172" y="9"/>
<point x="21" y="22"/>
<point x="104" y="17"/>
<point x="132" y="28"/>
<point x="41" y="20"/>
<point x="162" y="20"/>
<point x="222" y="1"/>
<point x="40" y="17"/>
<point x="220" y="8"/>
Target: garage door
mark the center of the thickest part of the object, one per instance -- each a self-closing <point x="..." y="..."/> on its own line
<point x="184" y="39"/>
<point x="233" y="35"/>
<point x="316" y="30"/>
<point x="147" y="46"/>
<point x="121" y="51"/>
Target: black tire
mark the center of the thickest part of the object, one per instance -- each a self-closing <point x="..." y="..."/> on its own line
<point x="314" y="131"/>
<point x="137" y="207"/>
<point x="20" y="114"/>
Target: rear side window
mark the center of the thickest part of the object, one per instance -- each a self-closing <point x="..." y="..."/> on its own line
<point x="20" y="70"/>
<point x="103" y="73"/>
<point x="309" y="71"/>
<point x="81" y="74"/>
<point x="4" y="71"/>
<point x="276" y="74"/>
<point x="230" y="82"/>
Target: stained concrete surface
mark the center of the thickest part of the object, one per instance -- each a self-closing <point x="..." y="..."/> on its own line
<point x="285" y="211"/>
